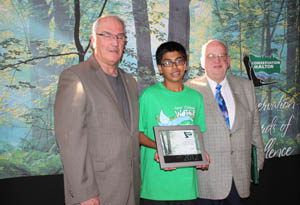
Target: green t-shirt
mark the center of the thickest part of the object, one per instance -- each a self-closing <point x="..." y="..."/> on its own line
<point x="162" y="107"/>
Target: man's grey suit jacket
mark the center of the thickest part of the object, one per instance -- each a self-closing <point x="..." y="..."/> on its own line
<point x="229" y="150"/>
<point x="100" y="154"/>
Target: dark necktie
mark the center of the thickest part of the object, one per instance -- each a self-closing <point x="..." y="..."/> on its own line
<point x="222" y="104"/>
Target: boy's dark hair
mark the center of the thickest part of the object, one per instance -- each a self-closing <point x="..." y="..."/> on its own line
<point x="169" y="46"/>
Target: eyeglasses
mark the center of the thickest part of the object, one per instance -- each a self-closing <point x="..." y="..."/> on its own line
<point x="171" y="63"/>
<point x="109" y="36"/>
<point x="214" y="56"/>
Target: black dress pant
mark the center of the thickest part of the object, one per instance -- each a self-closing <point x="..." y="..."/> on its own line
<point x="154" y="202"/>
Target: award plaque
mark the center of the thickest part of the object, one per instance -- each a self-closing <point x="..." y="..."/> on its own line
<point x="180" y="146"/>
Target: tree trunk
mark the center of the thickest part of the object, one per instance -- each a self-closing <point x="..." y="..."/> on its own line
<point x="268" y="51"/>
<point x="262" y="46"/>
<point x="37" y="21"/>
<point x="292" y="42"/>
<point x="240" y="38"/>
<point x="298" y="76"/>
<point x="218" y="14"/>
<point x="291" y="38"/>
<point x="64" y="23"/>
<point x="268" y="28"/>
<point x="76" y="30"/>
<point x="64" y="26"/>
<point x="179" y="23"/>
<point x="146" y="72"/>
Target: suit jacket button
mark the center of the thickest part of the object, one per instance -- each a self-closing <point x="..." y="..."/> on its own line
<point x="231" y="152"/>
<point x="71" y="194"/>
<point x="230" y="135"/>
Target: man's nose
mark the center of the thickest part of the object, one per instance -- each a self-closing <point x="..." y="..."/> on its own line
<point x="217" y="59"/>
<point x="114" y="40"/>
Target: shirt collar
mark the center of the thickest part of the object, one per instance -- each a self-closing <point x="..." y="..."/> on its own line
<point x="213" y="84"/>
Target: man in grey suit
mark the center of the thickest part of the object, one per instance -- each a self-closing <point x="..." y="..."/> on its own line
<point x="230" y="131"/>
<point x="96" y="123"/>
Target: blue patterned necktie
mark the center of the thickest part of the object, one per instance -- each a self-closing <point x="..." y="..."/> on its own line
<point x="222" y="104"/>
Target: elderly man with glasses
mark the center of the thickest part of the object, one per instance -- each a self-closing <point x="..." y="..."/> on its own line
<point x="233" y="126"/>
<point x="96" y="123"/>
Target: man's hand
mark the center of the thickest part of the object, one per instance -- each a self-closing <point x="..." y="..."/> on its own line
<point x="92" y="201"/>
<point x="156" y="158"/>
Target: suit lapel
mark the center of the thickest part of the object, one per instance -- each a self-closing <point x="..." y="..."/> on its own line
<point x="128" y="95"/>
<point x="238" y="105"/>
<point x="102" y="82"/>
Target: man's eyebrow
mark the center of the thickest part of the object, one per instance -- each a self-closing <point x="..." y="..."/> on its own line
<point x="107" y="32"/>
<point x="178" y="58"/>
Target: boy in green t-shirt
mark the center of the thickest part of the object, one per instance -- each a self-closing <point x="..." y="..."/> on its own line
<point x="169" y="103"/>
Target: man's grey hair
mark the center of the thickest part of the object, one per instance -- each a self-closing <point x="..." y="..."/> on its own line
<point x="98" y="21"/>
<point x="203" y="51"/>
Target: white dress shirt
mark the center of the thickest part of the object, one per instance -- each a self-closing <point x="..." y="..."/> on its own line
<point x="227" y="95"/>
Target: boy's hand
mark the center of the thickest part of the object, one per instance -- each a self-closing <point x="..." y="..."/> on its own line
<point x="205" y="167"/>
<point x="156" y="158"/>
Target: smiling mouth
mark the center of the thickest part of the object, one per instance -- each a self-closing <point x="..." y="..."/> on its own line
<point x="113" y="50"/>
<point x="218" y="66"/>
<point x="175" y="74"/>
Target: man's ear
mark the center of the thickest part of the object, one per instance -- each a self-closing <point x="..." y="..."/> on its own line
<point x="228" y="61"/>
<point x="202" y="62"/>
<point x="160" y="69"/>
<point x="92" y="41"/>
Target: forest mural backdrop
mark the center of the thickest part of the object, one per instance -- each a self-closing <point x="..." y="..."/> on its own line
<point x="40" y="38"/>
